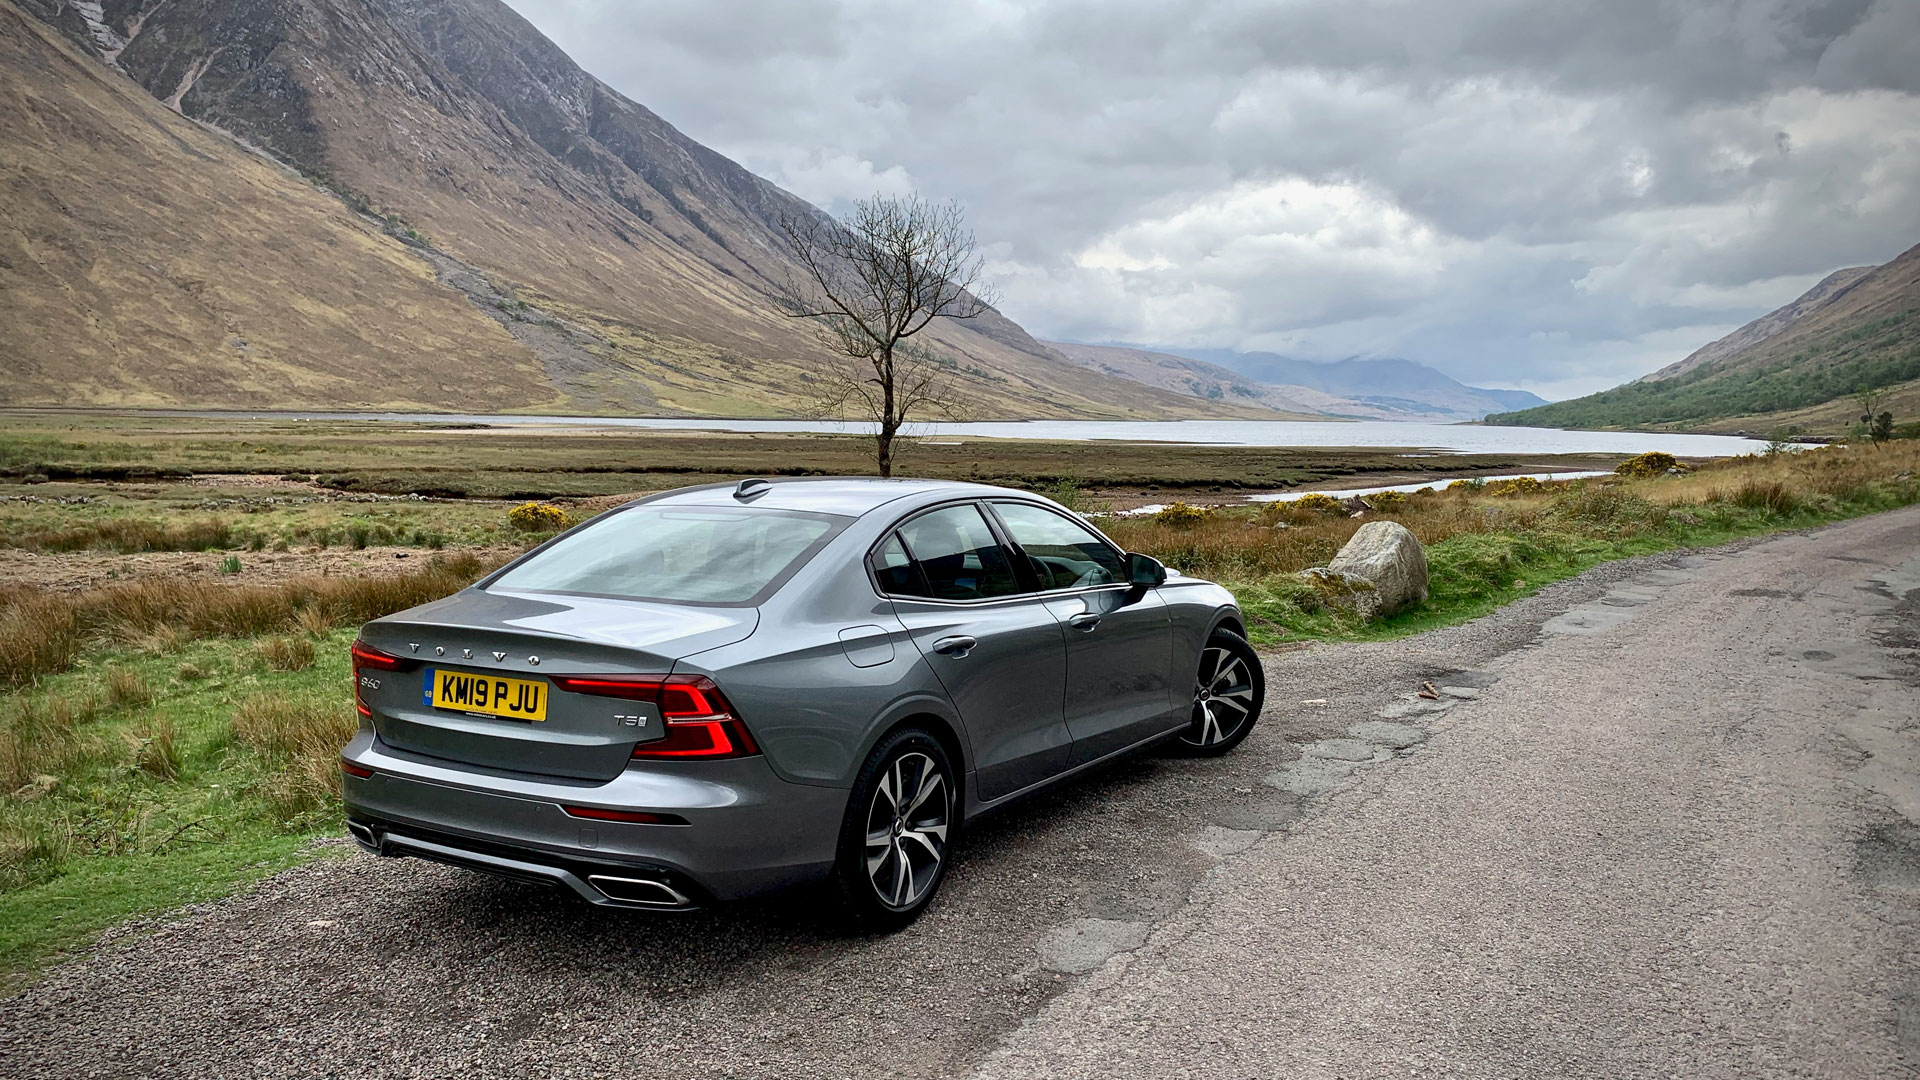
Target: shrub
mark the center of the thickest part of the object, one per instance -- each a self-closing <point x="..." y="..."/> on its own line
<point x="1182" y="516"/>
<point x="1607" y="505"/>
<point x="537" y="517"/>
<point x="1650" y="464"/>
<point x="1517" y="485"/>
<point x="1387" y="502"/>
<point x="1321" y="503"/>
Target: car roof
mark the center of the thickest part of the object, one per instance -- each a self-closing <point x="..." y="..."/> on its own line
<point x="850" y="496"/>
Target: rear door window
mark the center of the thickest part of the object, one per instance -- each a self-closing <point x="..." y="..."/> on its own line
<point x="1064" y="554"/>
<point x="958" y="555"/>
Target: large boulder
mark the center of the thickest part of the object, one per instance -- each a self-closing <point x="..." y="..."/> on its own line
<point x="1383" y="569"/>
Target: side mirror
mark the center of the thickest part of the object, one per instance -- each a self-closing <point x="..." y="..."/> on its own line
<point x="1145" y="572"/>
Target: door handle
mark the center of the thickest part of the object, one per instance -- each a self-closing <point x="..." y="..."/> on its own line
<point x="1086" y="620"/>
<point x="956" y="646"/>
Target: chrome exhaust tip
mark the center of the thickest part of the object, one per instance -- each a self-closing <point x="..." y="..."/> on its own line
<point x="364" y="836"/>
<point x="643" y="892"/>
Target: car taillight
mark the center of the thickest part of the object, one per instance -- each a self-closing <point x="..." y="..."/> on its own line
<point x="699" y="721"/>
<point x="358" y="771"/>
<point x="366" y="656"/>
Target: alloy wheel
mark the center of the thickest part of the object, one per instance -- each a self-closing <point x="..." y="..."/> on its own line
<point x="906" y="835"/>
<point x="1223" y="698"/>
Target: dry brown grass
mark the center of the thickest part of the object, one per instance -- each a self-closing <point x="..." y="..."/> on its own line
<point x="39" y="632"/>
<point x="156" y="748"/>
<point x="44" y="738"/>
<point x="127" y="689"/>
<point x="132" y="535"/>
<point x="286" y="653"/>
<point x="1284" y="538"/>
<point x="314" y="621"/>
<point x="42" y="632"/>
<point x="304" y="735"/>
<point x="1841" y="472"/>
<point x="1287" y="537"/>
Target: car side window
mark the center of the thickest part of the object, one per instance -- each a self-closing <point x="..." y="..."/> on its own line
<point x="895" y="571"/>
<point x="1064" y="553"/>
<point x="958" y="555"/>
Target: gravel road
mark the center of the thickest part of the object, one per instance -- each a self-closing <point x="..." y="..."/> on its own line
<point x="1663" y="819"/>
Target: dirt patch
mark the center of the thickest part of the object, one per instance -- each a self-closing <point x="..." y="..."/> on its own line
<point x="81" y="570"/>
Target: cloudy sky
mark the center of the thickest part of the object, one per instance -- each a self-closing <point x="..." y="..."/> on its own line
<point x="1551" y="195"/>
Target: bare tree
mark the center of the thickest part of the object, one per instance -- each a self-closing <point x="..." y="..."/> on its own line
<point x="870" y="283"/>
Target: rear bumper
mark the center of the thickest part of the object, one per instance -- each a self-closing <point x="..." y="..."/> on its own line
<point x="747" y="831"/>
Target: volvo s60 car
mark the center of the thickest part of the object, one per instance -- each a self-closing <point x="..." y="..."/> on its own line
<point x="718" y="691"/>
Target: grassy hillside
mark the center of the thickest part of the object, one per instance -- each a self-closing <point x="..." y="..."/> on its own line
<point x="1800" y="365"/>
<point x="440" y="210"/>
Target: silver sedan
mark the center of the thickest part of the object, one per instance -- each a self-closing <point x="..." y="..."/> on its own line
<point x="718" y="691"/>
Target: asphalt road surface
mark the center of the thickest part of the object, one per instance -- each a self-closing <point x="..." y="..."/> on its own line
<point x="1662" y="820"/>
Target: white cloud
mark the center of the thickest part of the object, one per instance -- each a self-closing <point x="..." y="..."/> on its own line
<point x="1521" y="193"/>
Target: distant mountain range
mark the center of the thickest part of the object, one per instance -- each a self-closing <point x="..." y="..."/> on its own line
<point x="402" y="204"/>
<point x="1799" y="366"/>
<point x="1354" y="389"/>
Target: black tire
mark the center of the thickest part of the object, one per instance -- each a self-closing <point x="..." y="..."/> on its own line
<point x="1228" y="692"/>
<point x="891" y="860"/>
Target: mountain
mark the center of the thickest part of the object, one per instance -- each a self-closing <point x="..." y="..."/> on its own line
<point x="379" y="203"/>
<point x="1200" y="379"/>
<point x="1797" y="366"/>
<point x="1355" y="389"/>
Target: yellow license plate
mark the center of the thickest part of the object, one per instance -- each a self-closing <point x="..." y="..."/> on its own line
<point x="489" y="695"/>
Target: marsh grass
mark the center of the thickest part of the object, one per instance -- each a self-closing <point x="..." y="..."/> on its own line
<point x="302" y="735"/>
<point x="42" y="632"/>
<point x="286" y="653"/>
<point x="1490" y="542"/>
<point x="127" y="688"/>
<point x="156" y="748"/>
<point x="46" y="736"/>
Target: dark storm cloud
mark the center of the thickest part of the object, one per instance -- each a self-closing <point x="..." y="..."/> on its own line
<point x="1544" y="194"/>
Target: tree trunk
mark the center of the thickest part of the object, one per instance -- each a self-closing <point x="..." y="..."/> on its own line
<point x="889" y="419"/>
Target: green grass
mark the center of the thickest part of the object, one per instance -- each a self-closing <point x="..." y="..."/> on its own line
<point x="112" y="838"/>
<point x="1474" y="573"/>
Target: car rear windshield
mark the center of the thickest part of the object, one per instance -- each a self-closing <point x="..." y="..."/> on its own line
<point x="679" y="554"/>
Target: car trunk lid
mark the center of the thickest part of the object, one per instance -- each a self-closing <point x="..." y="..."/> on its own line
<point x="476" y="687"/>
